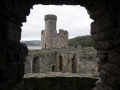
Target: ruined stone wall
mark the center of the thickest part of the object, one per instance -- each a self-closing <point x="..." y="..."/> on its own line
<point x="73" y="61"/>
<point x="12" y="52"/>
<point x="104" y="30"/>
<point x="46" y="60"/>
<point x="62" y="39"/>
<point x="67" y="61"/>
<point x="58" y="83"/>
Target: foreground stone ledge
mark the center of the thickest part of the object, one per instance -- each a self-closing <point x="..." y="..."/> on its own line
<point x="59" y="83"/>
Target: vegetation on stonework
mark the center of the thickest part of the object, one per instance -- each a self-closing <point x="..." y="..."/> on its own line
<point x="89" y="57"/>
<point x="92" y="48"/>
<point x="84" y="41"/>
<point x="40" y="55"/>
<point x="68" y="59"/>
<point x="74" y="55"/>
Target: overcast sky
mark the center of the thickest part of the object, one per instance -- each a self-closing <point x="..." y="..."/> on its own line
<point x="72" y="18"/>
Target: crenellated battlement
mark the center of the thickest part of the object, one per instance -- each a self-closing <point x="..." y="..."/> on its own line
<point x="63" y="32"/>
<point x="50" y="16"/>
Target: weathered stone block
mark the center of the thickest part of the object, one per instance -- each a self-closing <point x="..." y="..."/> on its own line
<point x="26" y="4"/>
<point x="102" y="52"/>
<point x="103" y="35"/>
<point x="114" y="57"/>
<point x="10" y="55"/>
<point x="0" y="34"/>
<point x="58" y="83"/>
<point x="103" y="75"/>
<point x="19" y="11"/>
<point x="116" y="44"/>
<point x="8" y="4"/>
<point x="99" y="3"/>
<point x="5" y="13"/>
<point x="117" y="34"/>
<point x="98" y="13"/>
<point x="12" y="70"/>
<point x="103" y="58"/>
<point x="111" y="80"/>
<point x="3" y="59"/>
<point x="101" y="25"/>
<point x="12" y="32"/>
<point x="110" y="68"/>
<point x="3" y="73"/>
<point x="103" y="45"/>
<point x="98" y="83"/>
<point x="15" y="21"/>
<point x="20" y="73"/>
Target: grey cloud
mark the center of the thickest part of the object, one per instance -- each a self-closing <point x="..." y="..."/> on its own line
<point x="72" y="18"/>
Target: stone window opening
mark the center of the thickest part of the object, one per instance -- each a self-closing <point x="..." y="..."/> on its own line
<point x="60" y="63"/>
<point x="45" y="46"/>
<point x="35" y="66"/>
<point x="74" y="65"/>
<point x="53" y="68"/>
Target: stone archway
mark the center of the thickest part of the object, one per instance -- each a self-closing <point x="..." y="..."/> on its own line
<point x="36" y="65"/>
<point x="104" y="30"/>
<point x="60" y="63"/>
<point x="53" y="68"/>
<point x="74" y="65"/>
<point x="45" y="46"/>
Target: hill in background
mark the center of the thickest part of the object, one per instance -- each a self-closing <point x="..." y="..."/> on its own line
<point x="32" y="42"/>
<point x="84" y="41"/>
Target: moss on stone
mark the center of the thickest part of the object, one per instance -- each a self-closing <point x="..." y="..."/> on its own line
<point x="68" y="59"/>
<point x="74" y="55"/>
<point x="90" y="58"/>
<point x="84" y="57"/>
<point x="56" y="53"/>
<point x="41" y="55"/>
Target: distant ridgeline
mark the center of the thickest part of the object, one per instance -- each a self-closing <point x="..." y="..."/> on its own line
<point x="84" y="41"/>
<point x="32" y="42"/>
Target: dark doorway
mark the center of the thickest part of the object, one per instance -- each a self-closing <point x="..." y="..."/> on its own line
<point x="45" y="46"/>
<point x="53" y="68"/>
<point x="35" y="65"/>
<point x="74" y="65"/>
<point x="60" y="63"/>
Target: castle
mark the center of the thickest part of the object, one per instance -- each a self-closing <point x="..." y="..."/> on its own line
<point x="55" y="55"/>
<point x="50" y="38"/>
<point x="105" y="31"/>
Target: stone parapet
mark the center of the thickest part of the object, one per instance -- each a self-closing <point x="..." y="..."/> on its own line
<point x="50" y="16"/>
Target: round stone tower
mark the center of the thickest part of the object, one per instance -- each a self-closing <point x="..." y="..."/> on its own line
<point x="50" y="31"/>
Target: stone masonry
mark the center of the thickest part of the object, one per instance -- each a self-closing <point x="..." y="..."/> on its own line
<point x="71" y="60"/>
<point x="49" y="37"/>
<point x="55" y="55"/>
<point x="105" y="31"/>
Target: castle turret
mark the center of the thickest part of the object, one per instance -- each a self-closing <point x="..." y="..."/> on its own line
<point x="49" y="36"/>
<point x="50" y="31"/>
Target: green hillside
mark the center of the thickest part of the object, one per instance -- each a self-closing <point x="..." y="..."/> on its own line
<point x="84" y="41"/>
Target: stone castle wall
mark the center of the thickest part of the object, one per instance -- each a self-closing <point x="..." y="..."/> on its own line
<point x="62" y="39"/>
<point x="73" y="61"/>
<point x="49" y="37"/>
<point x="104" y="30"/>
